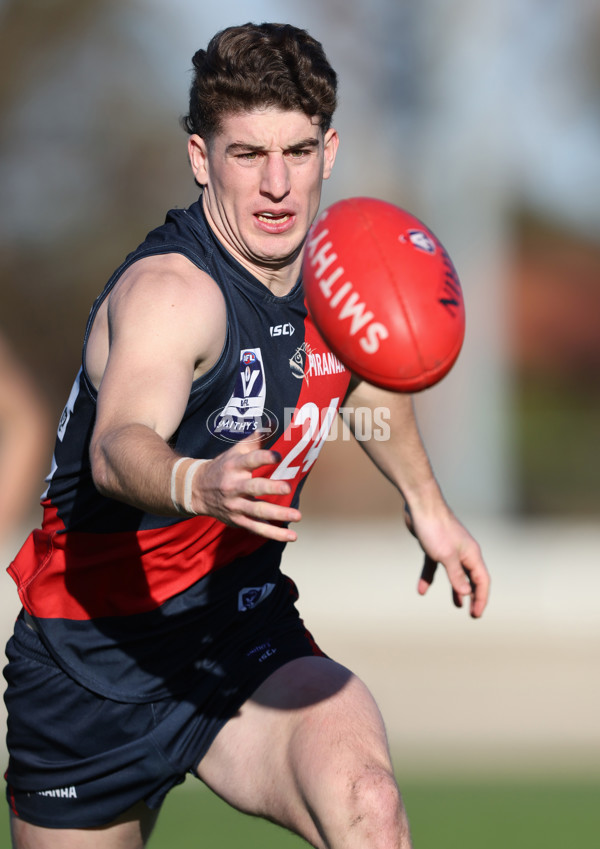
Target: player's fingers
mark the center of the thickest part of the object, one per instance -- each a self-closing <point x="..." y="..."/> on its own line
<point x="480" y="582"/>
<point x="266" y="529"/>
<point x="248" y="445"/>
<point x="245" y="445"/>
<point x="427" y="575"/>
<point x="257" y="487"/>
<point x="459" y="580"/>
<point x="258" y="457"/>
<point x="264" y="511"/>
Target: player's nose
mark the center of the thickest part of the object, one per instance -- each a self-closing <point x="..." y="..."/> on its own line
<point x="275" y="180"/>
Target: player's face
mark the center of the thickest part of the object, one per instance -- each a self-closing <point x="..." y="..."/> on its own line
<point x="262" y="177"/>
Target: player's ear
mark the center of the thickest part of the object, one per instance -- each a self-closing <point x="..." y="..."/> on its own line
<point x="198" y="154"/>
<point x="330" y="146"/>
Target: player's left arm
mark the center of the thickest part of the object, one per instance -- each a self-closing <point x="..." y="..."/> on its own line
<point x="403" y="460"/>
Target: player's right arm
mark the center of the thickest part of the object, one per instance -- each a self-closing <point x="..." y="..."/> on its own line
<point x="164" y="325"/>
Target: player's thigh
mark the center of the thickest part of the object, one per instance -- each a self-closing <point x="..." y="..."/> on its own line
<point x="130" y="831"/>
<point x="310" y="728"/>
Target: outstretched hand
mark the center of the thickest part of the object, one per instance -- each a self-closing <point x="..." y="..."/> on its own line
<point x="445" y="541"/>
<point x="226" y="489"/>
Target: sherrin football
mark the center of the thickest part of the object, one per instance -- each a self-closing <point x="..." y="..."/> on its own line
<point x="384" y="294"/>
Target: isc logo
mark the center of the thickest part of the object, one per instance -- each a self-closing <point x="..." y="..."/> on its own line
<point x="282" y="330"/>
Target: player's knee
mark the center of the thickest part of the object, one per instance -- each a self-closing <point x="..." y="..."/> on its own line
<point x="375" y="805"/>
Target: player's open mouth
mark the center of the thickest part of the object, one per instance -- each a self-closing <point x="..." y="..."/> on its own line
<point x="275" y="223"/>
<point x="270" y="217"/>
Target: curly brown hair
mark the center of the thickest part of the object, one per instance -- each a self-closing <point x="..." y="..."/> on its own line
<point x="257" y="65"/>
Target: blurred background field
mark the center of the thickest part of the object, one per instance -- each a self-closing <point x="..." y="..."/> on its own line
<point x="460" y="814"/>
<point x="484" y="120"/>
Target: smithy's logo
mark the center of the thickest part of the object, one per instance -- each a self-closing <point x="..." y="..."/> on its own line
<point x="245" y="412"/>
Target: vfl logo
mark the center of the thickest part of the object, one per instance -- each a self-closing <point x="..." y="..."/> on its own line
<point x="250" y="597"/>
<point x="421" y="241"/>
<point x="245" y="412"/>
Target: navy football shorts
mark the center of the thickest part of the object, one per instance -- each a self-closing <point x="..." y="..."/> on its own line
<point x="79" y="760"/>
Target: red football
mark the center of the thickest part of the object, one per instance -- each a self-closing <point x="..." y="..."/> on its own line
<point x="384" y="294"/>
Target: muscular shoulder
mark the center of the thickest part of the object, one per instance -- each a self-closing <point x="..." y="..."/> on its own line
<point x="163" y="301"/>
<point x="167" y="281"/>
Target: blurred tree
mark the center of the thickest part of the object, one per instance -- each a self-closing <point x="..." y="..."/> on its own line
<point x="35" y="28"/>
<point x="88" y="162"/>
<point x="555" y="295"/>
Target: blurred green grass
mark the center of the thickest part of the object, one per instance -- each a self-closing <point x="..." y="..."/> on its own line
<point x="444" y="813"/>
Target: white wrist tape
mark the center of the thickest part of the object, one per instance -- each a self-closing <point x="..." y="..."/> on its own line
<point x="187" y="486"/>
<point x="176" y="465"/>
<point x="185" y="504"/>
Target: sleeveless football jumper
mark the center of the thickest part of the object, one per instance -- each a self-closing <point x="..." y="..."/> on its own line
<point x="129" y="603"/>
